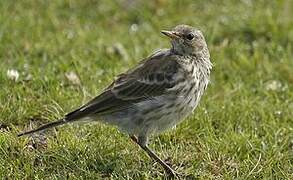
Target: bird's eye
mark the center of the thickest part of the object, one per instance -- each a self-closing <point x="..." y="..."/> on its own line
<point x="190" y="36"/>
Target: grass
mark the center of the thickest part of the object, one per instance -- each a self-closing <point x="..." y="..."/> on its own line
<point x="243" y="128"/>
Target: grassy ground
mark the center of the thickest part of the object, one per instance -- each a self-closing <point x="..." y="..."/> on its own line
<point x="243" y="128"/>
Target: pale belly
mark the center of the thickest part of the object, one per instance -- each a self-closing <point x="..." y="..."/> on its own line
<point x="184" y="107"/>
<point x="153" y="117"/>
<point x="157" y="115"/>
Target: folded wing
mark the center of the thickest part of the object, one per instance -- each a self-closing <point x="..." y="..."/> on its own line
<point x="151" y="78"/>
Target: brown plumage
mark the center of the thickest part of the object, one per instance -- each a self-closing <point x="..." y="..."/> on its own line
<point x="156" y="94"/>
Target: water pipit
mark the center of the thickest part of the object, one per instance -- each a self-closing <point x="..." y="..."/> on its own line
<point x="155" y="95"/>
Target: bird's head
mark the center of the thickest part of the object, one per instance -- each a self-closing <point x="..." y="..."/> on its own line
<point x="187" y="40"/>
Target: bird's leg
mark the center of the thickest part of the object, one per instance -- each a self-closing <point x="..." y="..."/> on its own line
<point x="142" y="142"/>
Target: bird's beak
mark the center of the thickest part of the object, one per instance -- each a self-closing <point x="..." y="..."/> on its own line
<point x="171" y="34"/>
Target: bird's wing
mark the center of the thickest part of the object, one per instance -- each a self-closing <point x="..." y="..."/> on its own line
<point x="151" y="78"/>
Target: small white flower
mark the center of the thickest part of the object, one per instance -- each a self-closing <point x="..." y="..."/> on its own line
<point x="12" y="74"/>
<point x="72" y="77"/>
<point x="273" y="85"/>
<point x="133" y="27"/>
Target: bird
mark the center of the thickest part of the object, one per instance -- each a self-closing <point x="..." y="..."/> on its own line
<point x="155" y="95"/>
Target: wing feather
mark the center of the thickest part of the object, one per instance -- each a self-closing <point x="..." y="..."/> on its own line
<point x="152" y="78"/>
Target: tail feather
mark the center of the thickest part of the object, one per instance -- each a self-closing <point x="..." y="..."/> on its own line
<point x="45" y="126"/>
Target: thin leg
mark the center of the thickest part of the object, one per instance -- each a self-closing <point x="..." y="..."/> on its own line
<point x="167" y="168"/>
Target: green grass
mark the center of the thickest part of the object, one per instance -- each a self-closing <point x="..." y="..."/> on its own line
<point x="243" y="128"/>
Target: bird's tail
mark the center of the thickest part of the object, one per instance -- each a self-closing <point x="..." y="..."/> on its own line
<point x="45" y="126"/>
